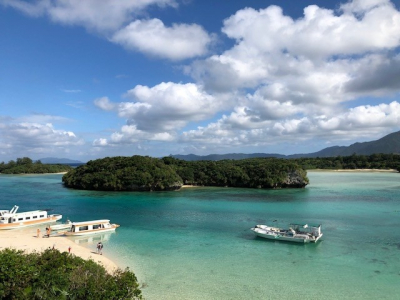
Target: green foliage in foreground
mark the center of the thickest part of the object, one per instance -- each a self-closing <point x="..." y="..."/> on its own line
<point x="26" y="166"/>
<point x="56" y="275"/>
<point x="152" y="174"/>
<point x="374" y="161"/>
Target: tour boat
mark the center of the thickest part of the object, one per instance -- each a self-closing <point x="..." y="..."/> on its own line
<point x="90" y="227"/>
<point x="299" y="233"/>
<point x="10" y="219"/>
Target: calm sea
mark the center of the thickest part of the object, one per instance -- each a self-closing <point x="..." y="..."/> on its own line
<point x="196" y="243"/>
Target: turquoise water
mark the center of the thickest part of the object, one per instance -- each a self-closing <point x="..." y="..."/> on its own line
<point x="196" y="243"/>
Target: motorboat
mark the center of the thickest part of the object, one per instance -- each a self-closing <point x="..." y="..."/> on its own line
<point x="11" y="219"/>
<point x="90" y="227"/>
<point x="62" y="226"/>
<point x="298" y="233"/>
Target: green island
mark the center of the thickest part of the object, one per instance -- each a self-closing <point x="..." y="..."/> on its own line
<point x="55" y="275"/>
<point x="25" y="165"/>
<point x="143" y="173"/>
<point x="377" y="161"/>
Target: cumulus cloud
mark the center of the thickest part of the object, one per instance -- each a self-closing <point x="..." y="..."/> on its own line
<point x="167" y="106"/>
<point x="152" y="36"/>
<point x="362" y="120"/>
<point x="119" y="21"/>
<point x="376" y="75"/>
<point x="129" y="134"/>
<point x="284" y="79"/>
<point x="24" y="137"/>
<point x="104" y="103"/>
<point x="103" y="15"/>
<point x="321" y="32"/>
<point x="324" y="46"/>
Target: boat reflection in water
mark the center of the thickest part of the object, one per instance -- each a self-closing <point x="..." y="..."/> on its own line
<point x="93" y="239"/>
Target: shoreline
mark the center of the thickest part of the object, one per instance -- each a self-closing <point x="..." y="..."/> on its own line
<point x="354" y="170"/>
<point x="26" y="240"/>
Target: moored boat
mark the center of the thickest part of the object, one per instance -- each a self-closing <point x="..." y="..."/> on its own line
<point x="11" y="219"/>
<point x="90" y="227"/>
<point x="298" y="233"/>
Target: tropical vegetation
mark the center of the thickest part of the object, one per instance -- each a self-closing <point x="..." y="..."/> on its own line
<point x="374" y="161"/>
<point x="144" y="173"/>
<point x="25" y="165"/>
<point x="55" y="275"/>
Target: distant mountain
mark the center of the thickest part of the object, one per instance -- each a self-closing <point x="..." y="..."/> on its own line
<point x="193" y="157"/>
<point x="54" y="160"/>
<point x="386" y="145"/>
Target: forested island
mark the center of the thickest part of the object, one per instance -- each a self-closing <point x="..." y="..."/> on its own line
<point x="25" y="165"/>
<point x="143" y="173"/>
<point x="373" y="161"/>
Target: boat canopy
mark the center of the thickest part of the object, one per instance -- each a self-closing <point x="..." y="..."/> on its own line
<point x="305" y="225"/>
<point x="90" y="222"/>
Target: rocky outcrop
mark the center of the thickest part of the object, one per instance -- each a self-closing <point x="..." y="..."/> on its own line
<point x="296" y="179"/>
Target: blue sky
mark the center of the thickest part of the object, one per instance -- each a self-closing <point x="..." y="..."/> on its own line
<point x="96" y="78"/>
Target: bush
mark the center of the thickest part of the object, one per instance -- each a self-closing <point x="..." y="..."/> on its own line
<point x="55" y="275"/>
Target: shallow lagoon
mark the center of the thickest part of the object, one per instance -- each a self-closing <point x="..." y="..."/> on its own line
<point x="196" y="243"/>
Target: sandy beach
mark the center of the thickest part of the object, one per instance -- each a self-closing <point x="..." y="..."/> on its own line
<point x="26" y="240"/>
<point x="354" y="170"/>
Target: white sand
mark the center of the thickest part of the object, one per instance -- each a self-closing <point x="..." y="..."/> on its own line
<point x="26" y="240"/>
<point x="354" y="170"/>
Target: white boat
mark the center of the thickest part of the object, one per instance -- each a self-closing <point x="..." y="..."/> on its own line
<point x="298" y="233"/>
<point x="10" y="219"/>
<point x="62" y="227"/>
<point x="90" y="227"/>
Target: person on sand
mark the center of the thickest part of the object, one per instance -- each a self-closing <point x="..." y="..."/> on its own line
<point x="69" y="249"/>
<point x="48" y="231"/>
<point x="38" y="233"/>
<point x="100" y="248"/>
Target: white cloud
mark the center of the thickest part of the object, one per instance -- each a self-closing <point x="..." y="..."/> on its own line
<point x="118" y="20"/>
<point x="39" y="118"/>
<point x="24" y="138"/>
<point x="129" y="134"/>
<point x="311" y="58"/>
<point x="361" y="121"/>
<point x="178" y="42"/>
<point x="99" y="15"/>
<point x="104" y="103"/>
<point x="167" y="106"/>
<point x="320" y="33"/>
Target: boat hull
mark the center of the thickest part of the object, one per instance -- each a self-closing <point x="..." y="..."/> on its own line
<point x="16" y="225"/>
<point x="281" y="238"/>
<point x="273" y="233"/>
<point x="89" y="232"/>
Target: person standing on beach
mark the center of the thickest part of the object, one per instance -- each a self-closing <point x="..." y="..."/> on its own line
<point x="38" y="233"/>
<point x="100" y="248"/>
<point x="48" y="230"/>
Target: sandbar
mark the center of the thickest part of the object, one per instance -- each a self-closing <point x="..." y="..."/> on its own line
<point x="26" y="240"/>
<point x="354" y="170"/>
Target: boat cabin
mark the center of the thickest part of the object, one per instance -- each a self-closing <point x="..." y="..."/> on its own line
<point x="90" y="227"/>
<point x="8" y="217"/>
<point x="312" y="229"/>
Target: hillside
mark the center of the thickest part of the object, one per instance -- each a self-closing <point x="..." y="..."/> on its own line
<point x="389" y="144"/>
